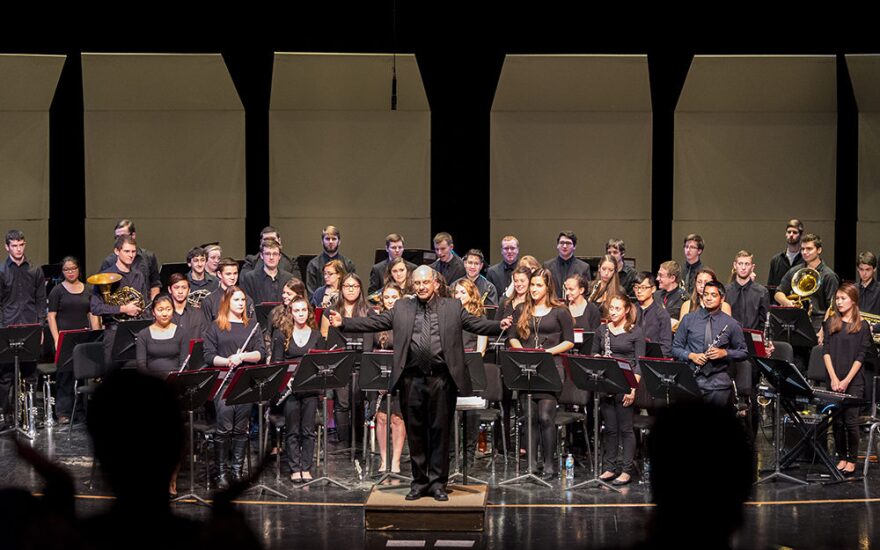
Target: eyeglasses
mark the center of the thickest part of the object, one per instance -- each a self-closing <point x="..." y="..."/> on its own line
<point x="565" y="243"/>
<point x="351" y="286"/>
<point x="642" y="287"/>
<point x="70" y="269"/>
<point x="272" y="254"/>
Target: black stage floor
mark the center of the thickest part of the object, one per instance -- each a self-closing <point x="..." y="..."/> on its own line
<point x="779" y="515"/>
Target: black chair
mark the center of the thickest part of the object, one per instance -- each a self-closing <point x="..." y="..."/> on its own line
<point x="816" y="369"/>
<point x="782" y="350"/>
<point x="491" y="415"/>
<point x="568" y="398"/>
<point x="88" y="365"/>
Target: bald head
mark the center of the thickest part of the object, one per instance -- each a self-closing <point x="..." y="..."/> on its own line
<point x="423" y="282"/>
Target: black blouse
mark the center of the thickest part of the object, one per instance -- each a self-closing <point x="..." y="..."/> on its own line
<point x="292" y="351"/>
<point x="628" y="345"/>
<point x="845" y="349"/>
<point x="159" y="357"/>
<point x="546" y="331"/>
<point x="71" y="310"/>
<point x="588" y="321"/>
<point x="223" y="343"/>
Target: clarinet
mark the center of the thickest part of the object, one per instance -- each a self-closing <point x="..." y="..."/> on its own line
<point x="714" y="344"/>
<point x="607" y="342"/>
<point x="767" y="330"/>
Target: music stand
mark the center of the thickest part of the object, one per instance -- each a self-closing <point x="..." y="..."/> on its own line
<point x="788" y="382"/>
<point x="196" y="354"/>
<point x="125" y="336"/>
<point x="20" y="343"/>
<point x="257" y="384"/>
<point x="530" y="371"/>
<point x="477" y="373"/>
<point x="193" y="389"/>
<point x="264" y="314"/>
<point x="669" y="380"/>
<point x="322" y="371"/>
<point x="585" y="345"/>
<point x="792" y="325"/>
<point x="375" y="375"/>
<point x="598" y="375"/>
<point x="653" y="349"/>
<point x="356" y="346"/>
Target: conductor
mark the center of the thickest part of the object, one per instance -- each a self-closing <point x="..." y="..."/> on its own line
<point x="429" y="372"/>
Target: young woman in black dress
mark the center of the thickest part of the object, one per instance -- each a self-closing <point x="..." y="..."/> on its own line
<point x="543" y="322"/>
<point x="620" y="337"/>
<point x="68" y="310"/>
<point x="847" y="338"/>
<point x="586" y="314"/>
<point x="225" y="347"/>
<point x="385" y="341"/>
<point x="296" y="335"/>
<point x="162" y="347"/>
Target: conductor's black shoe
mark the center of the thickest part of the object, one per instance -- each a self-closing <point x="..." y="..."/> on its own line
<point x="414" y="494"/>
<point x="440" y="494"/>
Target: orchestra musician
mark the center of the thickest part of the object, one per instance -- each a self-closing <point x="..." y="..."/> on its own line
<point x="68" y="310"/>
<point x="296" y="335"/>
<point x="197" y="276"/>
<point x="617" y="249"/>
<point x="399" y="273"/>
<point x="749" y="301"/>
<point x="670" y="295"/>
<point x="564" y="265"/>
<point x="228" y="277"/>
<point x="213" y="253"/>
<point x="653" y="318"/>
<point x="821" y="300"/>
<point x="473" y="264"/>
<point x="695" y="302"/>
<point x="788" y="258"/>
<point x="693" y="250"/>
<point x="162" y="347"/>
<point x="586" y="315"/>
<point x="708" y="339"/>
<point x="394" y="246"/>
<point x="328" y="293"/>
<point x="233" y="339"/>
<point x="847" y="340"/>
<point x="501" y="273"/>
<point x="448" y="263"/>
<point x="144" y="260"/>
<point x="869" y="292"/>
<point x="254" y="262"/>
<point x="620" y="337"/>
<point x="187" y="317"/>
<point x="385" y="341"/>
<point x="265" y="284"/>
<point x="519" y="286"/>
<point x="466" y="292"/>
<point x="607" y="283"/>
<point x="331" y="238"/>
<point x="429" y="368"/>
<point x="542" y="322"/>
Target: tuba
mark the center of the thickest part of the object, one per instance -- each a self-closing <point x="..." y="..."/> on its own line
<point x="805" y="283"/>
<point x="122" y="296"/>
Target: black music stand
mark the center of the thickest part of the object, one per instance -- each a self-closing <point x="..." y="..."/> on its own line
<point x="790" y="384"/>
<point x="670" y="380"/>
<point x="530" y="371"/>
<point x="196" y="354"/>
<point x="653" y="349"/>
<point x="20" y="343"/>
<point x="477" y="373"/>
<point x="125" y="336"/>
<point x="193" y="389"/>
<point x="792" y="325"/>
<point x="263" y="312"/>
<point x="586" y="344"/>
<point x="598" y="375"/>
<point x="356" y="346"/>
<point x="375" y="375"/>
<point x="257" y="384"/>
<point x="322" y="371"/>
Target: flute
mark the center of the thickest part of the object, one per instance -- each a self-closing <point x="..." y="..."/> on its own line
<point x="240" y="349"/>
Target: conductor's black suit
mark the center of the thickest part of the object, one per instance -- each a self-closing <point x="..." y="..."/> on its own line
<point x="429" y="372"/>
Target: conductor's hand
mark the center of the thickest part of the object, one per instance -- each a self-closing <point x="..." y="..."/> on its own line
<point x="506" y="322"/>
<point x="130" y="309"/>
<point x="335" y="319"/>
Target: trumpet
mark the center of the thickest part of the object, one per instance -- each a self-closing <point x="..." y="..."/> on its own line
<point x="27" y="407"/>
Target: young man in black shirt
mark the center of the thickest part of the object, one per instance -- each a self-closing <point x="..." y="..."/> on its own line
<point x="198" y="278"/>
<point x="265" y="284"/>
<point x="821" y="300"/>
<point x="145" y="261"/>
<point x="394" y="246"/>
<point x="749" y="301"/>
<point x="23" y="301"/>
<point x="564" y="265"/>
<point x="501" y="273"/>
<point x="331" y="238"/>
<point x="670" y="296"/>
<point x="227" y="270"/>
<point x="473" y="264"/>
<point x="448" y="263"/>
<point x="788" y="258"/>
<point x="254" y="262"/>
<point x="869" y="292"/>
<point x="693" y="251"/>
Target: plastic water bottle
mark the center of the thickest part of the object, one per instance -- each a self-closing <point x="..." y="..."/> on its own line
<point x="569" y="468"/>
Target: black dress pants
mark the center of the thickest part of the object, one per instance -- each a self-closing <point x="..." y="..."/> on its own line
<point x="299" y="415"/>
<point x="428" y="405"/>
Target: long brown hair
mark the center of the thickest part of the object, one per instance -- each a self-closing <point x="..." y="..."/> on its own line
<point x="286" y="324"/>
<point x="628" y="306"/>
<point x="388" y="279"/>
<point x="360" y="305"/>
<point x="222" y="321"/>
<point x="475" y="304"/>
<point x="612" y="287"/>
<point x="695" y="298"/>
<point x="528" y="311"/>
<point x="835" y="322"/>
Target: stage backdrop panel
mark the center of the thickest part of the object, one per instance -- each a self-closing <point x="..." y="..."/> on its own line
<point x="864" y="71"/>
<point x="164" y="144"/>
<point x="27" y="86"/>
<point x="755" y="145"/>
<point x="571" y="149"/>
<point x="339" y="155"/>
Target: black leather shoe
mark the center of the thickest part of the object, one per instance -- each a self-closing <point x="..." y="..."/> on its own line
<point x="440" y="494"/>
<point x="618" y="481"/>
<point x="414" y="494"/>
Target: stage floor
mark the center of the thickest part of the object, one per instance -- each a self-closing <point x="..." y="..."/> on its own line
<point x="524" y="516"/>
